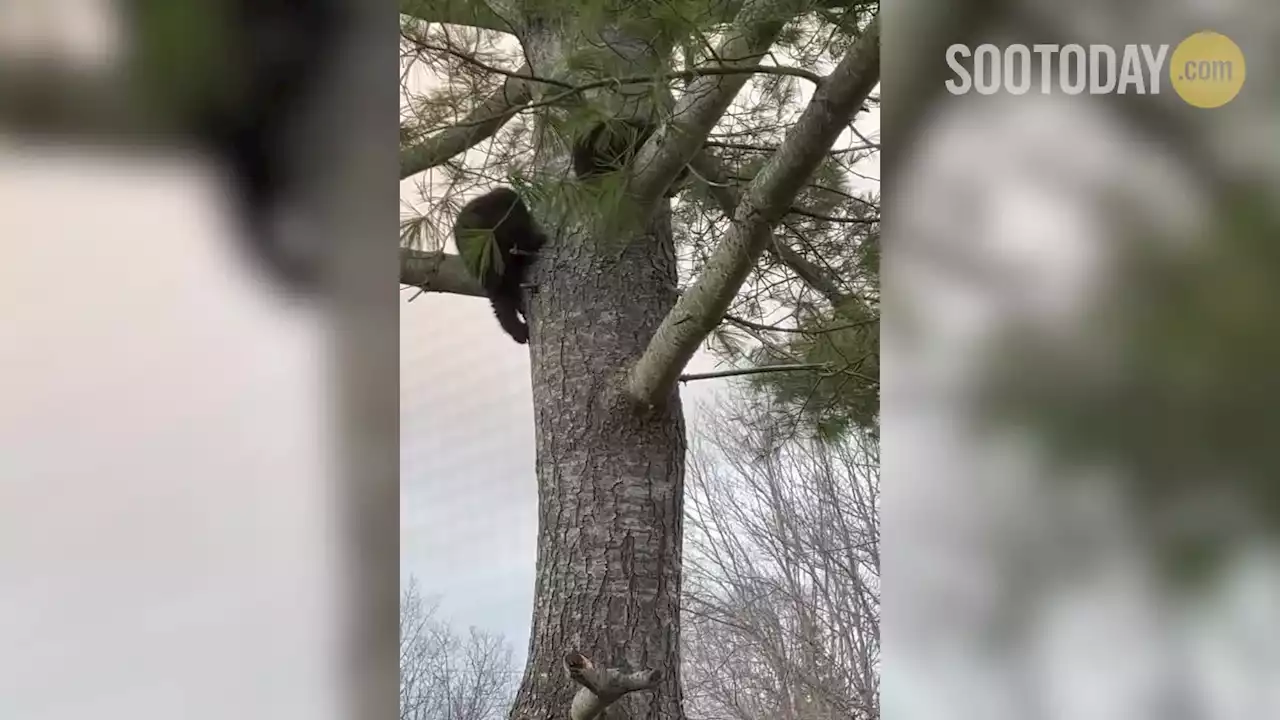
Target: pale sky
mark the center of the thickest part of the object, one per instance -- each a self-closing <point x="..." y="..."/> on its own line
<point x="468" y="508"/>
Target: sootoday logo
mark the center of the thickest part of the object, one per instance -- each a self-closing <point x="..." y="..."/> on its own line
<point x="1207" y="69"/>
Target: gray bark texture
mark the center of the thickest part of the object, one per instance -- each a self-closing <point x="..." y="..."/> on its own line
<point x="610" y="479"/>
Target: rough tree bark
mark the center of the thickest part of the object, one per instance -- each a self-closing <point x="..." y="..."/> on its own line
<point x="610" y="480"/>
<point x="610" y="463"/>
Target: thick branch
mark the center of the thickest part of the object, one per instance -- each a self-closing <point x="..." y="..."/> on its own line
<point x="766" y="201"/>
<point x="471" y="13"/>
<point x="727" y="197"/>
<point x="480" y="125"/>
<point x="814" y="276"/>
<point x="437" y="272"/>
<point x="759" y="24"/>
<point x="601" y="686"/>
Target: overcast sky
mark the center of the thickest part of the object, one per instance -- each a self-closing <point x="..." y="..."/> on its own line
<point x="468" y="509"/>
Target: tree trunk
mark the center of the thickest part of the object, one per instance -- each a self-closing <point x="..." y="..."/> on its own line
<point x="605" y="347"/>
<point x="610" y="478"/>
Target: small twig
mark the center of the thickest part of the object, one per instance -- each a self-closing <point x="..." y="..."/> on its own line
<point x="768" y="149"/>
<point x="749" y="325"/>
<point x="557" y="98"/>
<point x="754" y="371"/>
<point x="740" y="322"/>
<point x="420" y="44"/>
<point x="832" y="218"/>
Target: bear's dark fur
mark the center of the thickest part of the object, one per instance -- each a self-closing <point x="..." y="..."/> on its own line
<point x="610" y="145"/>
<point x="498" y="241"/>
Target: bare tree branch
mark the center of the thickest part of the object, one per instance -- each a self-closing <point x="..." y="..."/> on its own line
<point x="601" y="686"/>
<point x="782" y="590"/>
<point x="767" y="199"/>
<point x="770" y="149"/>
<point x="447" y="677"/>
<point x="436" y="271"/>
<point x="780" y="70"/>
<point x="740" y="322"/>
<point x="754" y="371"/>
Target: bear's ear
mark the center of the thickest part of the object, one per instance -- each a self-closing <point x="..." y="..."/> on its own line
<point x="610" y="146"/>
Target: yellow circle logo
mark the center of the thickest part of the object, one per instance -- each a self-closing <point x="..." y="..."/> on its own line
<point x="1207" y="70"/>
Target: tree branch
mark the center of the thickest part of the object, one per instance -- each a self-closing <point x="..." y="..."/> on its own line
<point x="761" y="327"/>
<point x="754" y="371"/>
<point x="515" y="96"/>
<point x="480" y="125"/>
<point x="422" y="46"/>
<point x="437" y="272"/>
<point x="710" y="169"/>
<point x="471" y="13"/>
<point x="770" y="149"/>
<point x="600" y="686"/>
<point x="781" y="70"/>
<point x="759" y="24"/>
<point x="766" y="201"/>
<point x="812" y="275"/>
<point x="727" y="197"/>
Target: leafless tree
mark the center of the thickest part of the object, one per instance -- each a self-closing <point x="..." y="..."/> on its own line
<point x="783" y="567"/>
<point x="447" y="677"/>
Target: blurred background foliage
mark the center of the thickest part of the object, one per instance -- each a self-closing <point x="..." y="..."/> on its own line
<point x="1179" y="394"/>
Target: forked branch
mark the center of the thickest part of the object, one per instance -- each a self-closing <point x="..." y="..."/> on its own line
<point x="602" y="686"/>
<point x="753" y="31"/>
<point x="766" y="200"/>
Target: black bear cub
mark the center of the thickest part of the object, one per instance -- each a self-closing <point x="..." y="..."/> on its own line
<point x="498" y="241"/>
<point x="610" y="145"/>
